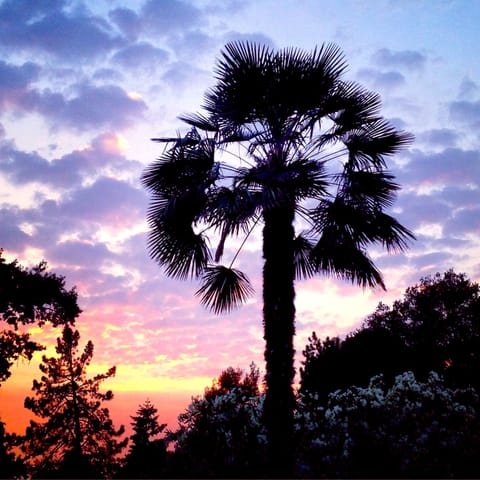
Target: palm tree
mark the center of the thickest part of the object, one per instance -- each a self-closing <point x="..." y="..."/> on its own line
<point x="286" y="143"/>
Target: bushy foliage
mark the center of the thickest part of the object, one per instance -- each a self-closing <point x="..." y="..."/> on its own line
<point x="412" y="428"/>
<point x="222" y="433"/>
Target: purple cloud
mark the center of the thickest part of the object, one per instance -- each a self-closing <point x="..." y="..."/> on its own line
<point x="383" y="80"/>
<point x="67" y="171"/>
<point x="23" y="167"/>
<point x="424" y="209"/>
<point x="14" y="83"/>
<point x="107" y="201"/>
<point x="93" y="107"/>
<point x="164" y="17"/>
<point x="11" y="235"/>
<point x="468" y="88"/>
<point x="409" y="59"/>
<point x="46" y="27"/>
<point x="79" y="253"/>
<point x="465" y="112"/>
<point x="452" y="166"/>
<point x="127" y="21"/>
<point x="464" y="221"/>
<point x="439" y="137"/>
<point x="141" y="55"/>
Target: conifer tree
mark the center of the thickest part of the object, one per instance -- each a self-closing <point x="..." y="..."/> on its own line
<point x="147" y="455"/>
<point x="77" y="437"/>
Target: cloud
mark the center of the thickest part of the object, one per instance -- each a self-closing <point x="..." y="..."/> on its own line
<point x="166" y="17"/>
<point x="14" y="83"/>
<point x="452" y="166"/>
<point x="45" y="27"/>
<point x="181" y="75"/>
<point x="127" y="21"/>
<point x="465" y="112"/>
<point x="93" y="107"/>
<point x="68" y="171"/>
<point x="107" y="200"/>
<point x="421" y="209"/>
<point x="465" y="221"/>
<point x="468" y="89"/>
<point x="439" y="137"/>
<point x="26" y="167"/>
<point x="408" y="59"/>
<point x="14" y="12"/>
<point x="140" y="56"/>
<point x="75" y="252"/>
<point x="254" y="37"/>
<point x="12" y="236"/>
<point x="383" y="80"/>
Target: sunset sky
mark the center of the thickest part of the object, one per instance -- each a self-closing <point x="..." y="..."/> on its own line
<point x="84" y="85"/>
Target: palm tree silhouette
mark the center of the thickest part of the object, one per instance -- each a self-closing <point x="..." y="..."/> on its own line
<point x="286" y="143"/>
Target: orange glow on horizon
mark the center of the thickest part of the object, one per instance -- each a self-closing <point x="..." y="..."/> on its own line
<point x="169" y="395"/>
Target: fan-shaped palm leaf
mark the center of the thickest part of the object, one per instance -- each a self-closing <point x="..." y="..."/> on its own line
<point x="180" y="168"/>
<point x="304" y="266"/>
<point x="374" y="189"/>
<point x="342" y="258"/>
<point x="178" y="248"/>
<point x="224" y="289"/>
<point x="369" y="144"/>
<point x="363" y="225"/>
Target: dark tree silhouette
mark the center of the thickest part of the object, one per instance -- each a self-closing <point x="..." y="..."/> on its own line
<point x="231" y="378"/>
<point x="311" y="150"/>
<point x="29" y="296"/>
<point x="435" y="327"/>
<point x="438" y="320"/>
<point x="77" y="438"/>
<point x="335" y="364"/>
<point x="147" y="455"/>
<point x="10" y="465"/>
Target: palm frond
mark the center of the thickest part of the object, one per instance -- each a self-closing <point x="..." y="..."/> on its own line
<point x="304" y="267"/>
<point x="369" y="144"/>
<point x="232" y="209"/>
<point x="224" y="289"/>
<point x="360" y="222"/>
<point x="183" y="167"/>
<point x="280" y="184"/>
<point x="374" y="189"/>
<point x="388" y="231"/>
<point x="197" y="120"/>
<point x="254" y="83"/>
<point x="176" y="247"/>
<point x="191" y="138"/>
<point x="342" y="258"/>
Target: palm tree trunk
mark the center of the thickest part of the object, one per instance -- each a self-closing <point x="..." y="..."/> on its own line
<point x="279" y="330"/>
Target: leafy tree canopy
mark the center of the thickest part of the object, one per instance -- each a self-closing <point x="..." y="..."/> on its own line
<point x="434" y="327"/>
<point x="30" y="296"/>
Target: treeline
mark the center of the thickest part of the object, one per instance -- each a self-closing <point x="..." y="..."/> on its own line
<point x="399" y="397"/>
